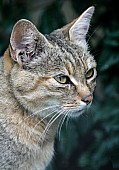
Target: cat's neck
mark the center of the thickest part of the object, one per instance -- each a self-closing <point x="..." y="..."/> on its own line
<point x="28" y="129"/>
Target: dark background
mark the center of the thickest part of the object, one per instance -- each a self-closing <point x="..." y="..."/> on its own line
<point x="92" y="141"/>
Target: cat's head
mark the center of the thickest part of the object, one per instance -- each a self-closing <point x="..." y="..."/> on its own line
<point x="53" y="73"/>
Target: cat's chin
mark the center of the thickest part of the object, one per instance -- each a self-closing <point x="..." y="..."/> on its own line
<point x="73" y="113"/>
<point x="77" y="113"/>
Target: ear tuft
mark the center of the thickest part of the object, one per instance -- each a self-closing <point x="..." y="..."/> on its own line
<point x="79" y="29"/>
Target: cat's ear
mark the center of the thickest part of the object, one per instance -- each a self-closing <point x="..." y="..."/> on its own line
<point x="78" y="29"/>
<point x="23" y="41"/>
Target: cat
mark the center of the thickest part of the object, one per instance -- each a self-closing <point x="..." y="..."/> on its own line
<point x="43" y="79"/>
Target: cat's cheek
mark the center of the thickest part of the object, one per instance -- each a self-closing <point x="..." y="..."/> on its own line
<point x="91" y="85"/>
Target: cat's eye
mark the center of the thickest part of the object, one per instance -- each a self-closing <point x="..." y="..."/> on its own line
<point x="90" y="73"/>
<point x="62" y="79"/>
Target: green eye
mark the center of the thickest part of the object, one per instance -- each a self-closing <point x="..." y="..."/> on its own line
<point x="90" y="73"/>
<point x="62" y="79"/>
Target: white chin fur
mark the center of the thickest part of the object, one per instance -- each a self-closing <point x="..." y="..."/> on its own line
<point x="77" y="111"/>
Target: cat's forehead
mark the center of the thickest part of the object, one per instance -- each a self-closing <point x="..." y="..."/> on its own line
<point x="62" y="56"/>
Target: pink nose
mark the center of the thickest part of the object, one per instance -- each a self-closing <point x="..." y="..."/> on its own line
<point x="87" y="99"/>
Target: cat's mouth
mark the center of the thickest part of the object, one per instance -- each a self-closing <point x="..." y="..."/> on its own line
<point x="75" y="111"/>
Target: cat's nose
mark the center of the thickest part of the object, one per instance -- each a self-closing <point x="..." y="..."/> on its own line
<point x="87" y="99"/>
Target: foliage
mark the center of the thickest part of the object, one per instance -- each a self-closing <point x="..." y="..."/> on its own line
<point x="92" y="141"/>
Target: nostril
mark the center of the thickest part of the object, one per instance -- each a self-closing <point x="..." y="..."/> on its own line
<point x="87" y="99"/>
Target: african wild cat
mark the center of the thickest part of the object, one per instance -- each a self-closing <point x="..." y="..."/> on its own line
<point x="43" y="79"/>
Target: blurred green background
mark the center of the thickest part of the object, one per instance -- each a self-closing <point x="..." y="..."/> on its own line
<point x="92" y="141"/>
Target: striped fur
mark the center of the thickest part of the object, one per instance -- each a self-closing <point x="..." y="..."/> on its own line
<point x="33" y="104"/>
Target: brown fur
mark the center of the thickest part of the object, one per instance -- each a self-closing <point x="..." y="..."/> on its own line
<point x="33" y="98"/>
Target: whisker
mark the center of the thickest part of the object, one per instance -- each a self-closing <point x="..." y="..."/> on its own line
<point x="47" y="125"/>
<point x="42" y="120"/>
<point x="62" y="122"/>
<point x="35" y="113"/>
<point x="51" y="121"/>
<point x="68" y="118"/>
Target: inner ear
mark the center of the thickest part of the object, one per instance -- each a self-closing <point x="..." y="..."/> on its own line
<point x="23" y="41"/>
<point x="76" y="31"/>
<point x="79" y="29"/>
